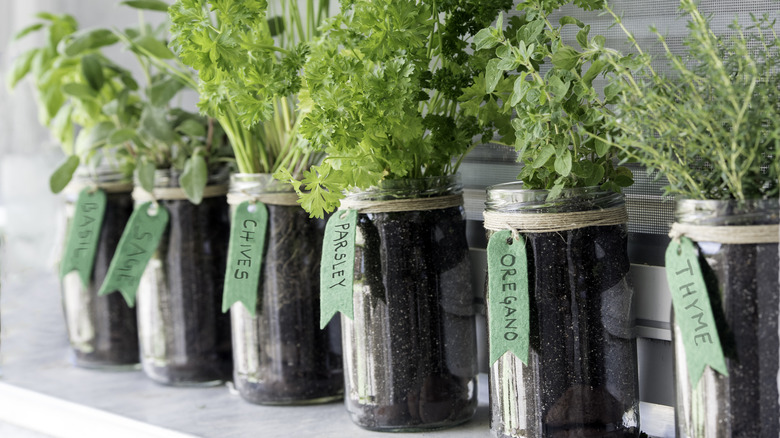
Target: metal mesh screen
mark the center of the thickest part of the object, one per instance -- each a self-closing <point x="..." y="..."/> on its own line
<point x="649" y="212"/>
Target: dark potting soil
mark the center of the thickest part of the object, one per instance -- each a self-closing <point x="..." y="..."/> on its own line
<point x="115" y="341"/>
<point x="414" y="359"/>
<point x="747" y="315"/>
<point x="193" y="249"/>
<point x="293" y="361"/>
<point x="581" y="333"/>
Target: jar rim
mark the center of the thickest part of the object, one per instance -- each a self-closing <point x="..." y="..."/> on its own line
<point x="512" y="197"/>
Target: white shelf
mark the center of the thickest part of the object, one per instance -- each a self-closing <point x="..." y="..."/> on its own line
<point x="41" y="392"/>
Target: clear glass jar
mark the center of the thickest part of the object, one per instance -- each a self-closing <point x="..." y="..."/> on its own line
<point x="184" y="336"/>
<point x="281" y="356"/>
<point x="742" y="282"/>
<point x="410" y="352"/>
<point x="102" y="330"/>
<point x="581" y="377"/>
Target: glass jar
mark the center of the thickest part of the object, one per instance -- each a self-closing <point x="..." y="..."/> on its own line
<point x="280" y="355"/>
<point x="410" y="352"/>
<point x="102" y="330"/>
<point x="184" y="336"/>
<point x="742" y="283"/>
<point x="581" y="377"/>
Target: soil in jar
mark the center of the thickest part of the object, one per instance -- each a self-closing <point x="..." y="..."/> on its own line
<point x="581" y="333"/>
<point x="115" y="341"/>
<point x="289" y="359"/>
<point x="415" y="319"/>
<point x="193" y="249"/>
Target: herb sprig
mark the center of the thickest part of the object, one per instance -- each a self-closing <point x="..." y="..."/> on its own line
<point x="82" y="95"/>
<point x="713" y="127"/>
<point x="382" y="91"/>
<point x="560" y="118"/>
<point x="246" y="76"/>
<point x="166" y="135"/>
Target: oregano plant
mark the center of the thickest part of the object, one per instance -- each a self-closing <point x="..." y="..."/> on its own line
<point x="392" y="91"/>
<point x="560" y="117"/>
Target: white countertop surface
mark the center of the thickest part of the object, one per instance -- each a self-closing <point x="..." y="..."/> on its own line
<point x="41" y="392"/>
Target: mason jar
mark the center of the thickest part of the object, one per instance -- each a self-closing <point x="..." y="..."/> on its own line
<point x="410" y="352"/>
<point x="102" y="330"/>
<point x="581" y="375"/>
<point x="742" y="284"/>
<point x="184" y="336"/>
<point x="280" y="355"/>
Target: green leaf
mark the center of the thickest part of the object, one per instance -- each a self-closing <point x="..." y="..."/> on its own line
<point x="565" y="58"/>
<point x="62" y="128"/>
<point x="563" y="164"/>
<point x="544" y="155"/>
<point x="555" y="191"/>
<point x="154" y="122"/>
<point x="150" y="5"/>
<point x="128" y="80"/>
<point x="492" y="75"/>
<point x="601" y="147"/>
<point x="520" y="88"/>
<point x="163" y="91"/>
<point x="121" y="136"/>
<point x="144" y="173"/>
<point x="599" y="41"/>
<point x="582" y="36"/>
<point x="63" y="174"/>
<point x="194" y="178"/>
<point x="596" y="176"/>
<point x="507" y="64"/>
<point x="570" y="20"/>
<point x="27" y="30"/>
<point x="89" y="40"/>
<point x="151" y="46"/>
<point x="92" y="69"/>
<point x="93" y="137"/>
<point x="529" y="32"/>
<point x="623" y="180"/>
<point x="20" y="67"/>
<point x="596" y="67"/>
<point x="484" y="39"/>
<point x="79" y="91"/>
<point x="611" y="91"/>
<point x="192" y="128"/>
<point x="558" y="87"/>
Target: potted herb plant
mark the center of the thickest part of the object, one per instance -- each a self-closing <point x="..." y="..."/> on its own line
<point x="561" y="338"/>
<point x="182" y="173"/>
<point x="382" y="90"/>
<point x="712" y="128"/>
<point x="248" y="59"/>
<point x="83" y="98"/>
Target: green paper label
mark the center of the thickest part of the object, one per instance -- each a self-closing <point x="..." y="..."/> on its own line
<point x="245" y="256"/>
<point x="337" y="267"/>
<point x="692" y="310"/>
<point x="136" y="246"/>
<point x="508" y="311"/>
<point x="83" y="235"/>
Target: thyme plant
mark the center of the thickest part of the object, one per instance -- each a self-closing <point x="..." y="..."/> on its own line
<point x="712" y="127"/>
